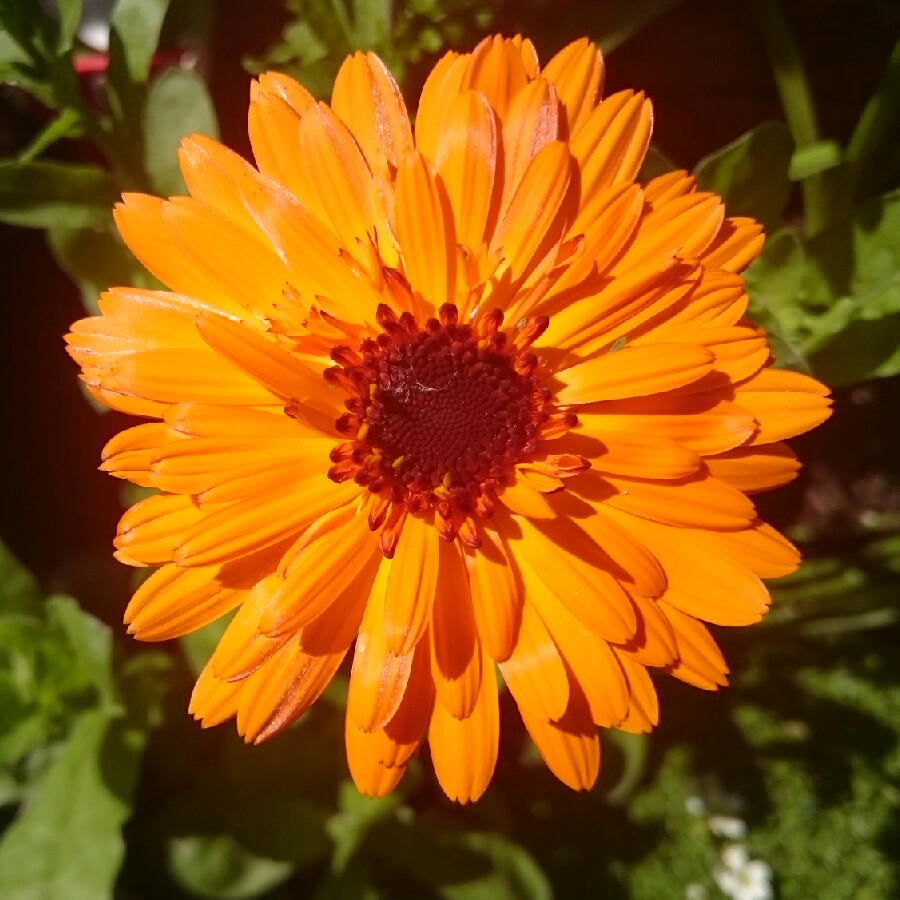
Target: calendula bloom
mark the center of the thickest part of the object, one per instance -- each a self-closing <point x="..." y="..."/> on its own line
<point x="463" y="396"/>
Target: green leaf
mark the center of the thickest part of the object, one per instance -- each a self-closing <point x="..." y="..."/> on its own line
<point x="514" y="873"/>
<point x="91" y="644"/>
<point x="787" y="292"/>
<point x="135" y="27"/>
<point x="814" y="158"/>
<point x="48" y="194"/>
<point x="10" y="52"/>
<point x="66" y="124"/>
<point x="871" y="154"/>
<point x="97" y="259"/>
<point x="19" y="592"/>
<point x="461" y="865"/>
<point x="751" y="174"/>
<point x="178" y="104"/>
<point x="67" y="841"/>
<point x="633" y="750"/>
<point x="198" y="646"/>
<point x="372" y="22"/>
<point x="282" y="827"/>
<point x="218" y="867"/>
<point x="861" y="258"/>
<point x="349" y="827"/>
<point x="69" y="20"/>
<point x="27" y="24"/>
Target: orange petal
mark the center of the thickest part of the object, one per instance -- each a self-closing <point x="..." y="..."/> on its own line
<point x="371" y="777"/>
<point x="620" y="305"/>
<point x="605" y="220"/>
<point x="752" y="469"/>
<point x="412" y="581"/>
<point x="531" y="123"/>
<point x="496" y="602"/>
<point x="703" y="580"/>
<point x="378" y="677"/>
<point x="654" y="641"/>
<point x="374" y="755"/>
<point x="639" y="455"/>
<point x="633" y="372"/>
<point x="425" y="230"/>
<point x="212" y="174"/>
<point x="628" y="559"/>
<point x="239" y="528"/>
<point x="342" y="182"/>
<point x="532" y="222"/>
<point x="570" y="747"/>
<point x="735" y="246"/>
<point x="570" y="565"/>
<point x="784" y="403"/>
<point x="718" y="300"/>
<point x="702" y="422"/>
<point x="577" y="74"/>
<point x="179" y="375"/>
<point x="759" y="547"/>
<point x="591" y="661"/>
<point x="441" y="86"/>
<point x="278" y="692"/>
<point x="497" y="69"/>
<point x="213" y="701"/>
<point x="611" y="145"/>
<point x="700" y="662"/>
<point x="311" y="253"/>
<point x="173" y="602"/>
<point x="685" y="225"/>
<point x="129" y="453"/>
<point x="698" y="501"/>
<point x="319" y="568"/>
<point x="455" y="650"/>
<point x="368" y="100"/>
<point x="261" y="358"/>
<point x="464" y="751"/>
<point x="149" y="532"/>
<point x="274" y="129"/>
<point x="522" y="497"/>
<point x="239" y="264"/>
<point x="241" y="649"/>
<point x="643" y="713"/>
<point x="534" y="671"/>
<point x="139" y="219"/>
<point x="467" y="165"/>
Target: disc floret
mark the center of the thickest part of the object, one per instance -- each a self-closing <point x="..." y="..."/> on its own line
<point x="438" y="414"/>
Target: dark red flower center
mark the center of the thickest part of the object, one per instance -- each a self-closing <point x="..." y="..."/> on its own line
<point x="438" y="415"/>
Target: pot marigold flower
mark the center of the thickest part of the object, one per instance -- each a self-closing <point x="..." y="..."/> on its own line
<point x="464" y="396"/>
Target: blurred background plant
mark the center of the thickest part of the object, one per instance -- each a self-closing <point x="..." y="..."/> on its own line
<point x="787" y="784"/>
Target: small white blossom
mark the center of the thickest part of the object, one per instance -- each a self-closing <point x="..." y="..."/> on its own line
<point x="695" y="805"/>
<point x="742" y="878"/>
<point x="694" y="891"/>
<point x="730" y="827"/>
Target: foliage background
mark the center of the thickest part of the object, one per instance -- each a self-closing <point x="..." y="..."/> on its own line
<point x="107" y="789"/>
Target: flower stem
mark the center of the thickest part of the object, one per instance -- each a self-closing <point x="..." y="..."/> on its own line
<point x="796" y="100"/>
<point x="874" y="134"/>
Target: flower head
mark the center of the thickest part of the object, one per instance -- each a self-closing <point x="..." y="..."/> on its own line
<point x="466" y="395"/>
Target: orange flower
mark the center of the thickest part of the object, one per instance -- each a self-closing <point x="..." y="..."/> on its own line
<point x="465" y="394"/>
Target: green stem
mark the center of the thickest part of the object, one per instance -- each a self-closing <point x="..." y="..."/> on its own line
<point x="796" y="100"/>
<point x="68" y="95"/>
<point x="874" y="134"/>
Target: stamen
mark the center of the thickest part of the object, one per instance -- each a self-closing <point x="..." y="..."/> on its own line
<point x="438" y="415"/>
